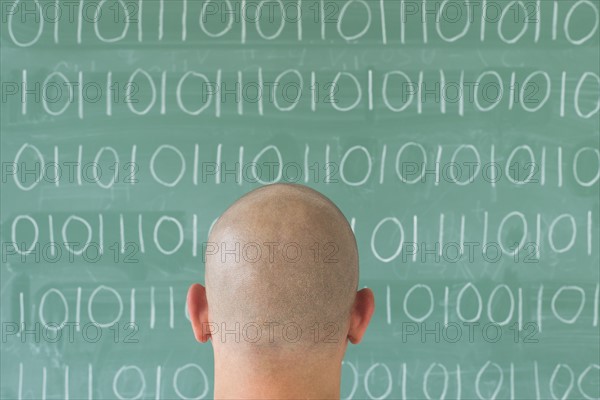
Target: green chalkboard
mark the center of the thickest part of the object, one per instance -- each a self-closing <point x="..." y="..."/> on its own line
<point x="459" y="138"/>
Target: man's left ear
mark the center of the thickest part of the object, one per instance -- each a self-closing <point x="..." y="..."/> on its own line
<point x="362" y="310"/>
<point x="198" y="309"/>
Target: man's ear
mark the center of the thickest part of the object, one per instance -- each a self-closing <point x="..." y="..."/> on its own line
<point x="362" y="310"/>
<point x="198" y="309"/>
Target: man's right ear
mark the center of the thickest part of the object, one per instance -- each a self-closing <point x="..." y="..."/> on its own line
<point x="198" y="309"/>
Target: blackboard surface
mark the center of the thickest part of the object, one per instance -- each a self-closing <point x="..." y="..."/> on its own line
<point x="460" y="138"/>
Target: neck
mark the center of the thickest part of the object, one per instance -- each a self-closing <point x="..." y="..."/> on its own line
<point x="267" y="379"/>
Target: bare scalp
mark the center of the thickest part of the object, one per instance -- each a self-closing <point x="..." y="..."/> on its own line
<point x="283" y="271"/>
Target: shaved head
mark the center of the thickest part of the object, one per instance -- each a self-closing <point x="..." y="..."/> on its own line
<point x="281" y="262"/>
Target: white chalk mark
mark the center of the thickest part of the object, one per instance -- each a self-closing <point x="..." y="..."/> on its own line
<point x="462" y="234"/>
<point x="109" y="93"/>
<point x="446" y="303"/>
<point x="322" y="4"/>
<point x="383" y="30"/>
<point x="426" y="380"/>
<point x="402" y="22"/>
<point x="171" y="309"/>
<point x="480" y="374"/>
<point x="163" y="93"/>
<point x="370" y="88"/>
<point x="90" y="382"/>
<point x="261" y="90"/>
<point x="313" y="90"/>
<point x="596" y="304"/>
<point x="195" y="172"/>
<point x="579" y="310"/>
<point x="133" y="164"/>
<point x="459" y="301"/>
<point x="538" y="234"/>
<point x="563" y="85"/>
<point x="327" y="166"/>
<point x="78" y="309"/>
<point x="218" y="162"/>
<point x="141" y="234"/>
<point x="442" y="92"/>
<point x="161" y="19"/>
<point x="24" y="91"/>
<point x="243" y="22"/>
<point x="79" y="161"/>
<point x="404" y="381"/>
<point x="66" y="382"/>
<point x="299" y="11"/>
<point x="91" y="304"/>
<point x="441" y="234"/>
<point x="139" y="22"/>
<point x="51" y="235"/>
<point x="520" y="308"/>
<point x="194" y="235"/>
<point x="382" y="168"/>
<point x="122" y="233"/>
<point x="218" y="96"/>
<point x="512" y="381"/>
<point x="179" y="227"/>
<point x="536" y="378"/>
<point x="14" y="234"/>
<point x="560" y="167"/>
<point x="540" y="297"/>
<point x="589" y="233"/>
<point x="57" y="14"/>
<point x="132" y="306"/>
<point x="306" y="151"/>
<point x="420" y="89"/>
<point x="184" y="21"/>
<point x="538" y="20"/>
<point x="240" y="100"/>
<point x="493" y="164"/>
<point x="388" y="305"/>
<point x="79" y="21"/>
<point x="554" y="20"/>
<point x="44" y="382"/>
<point x="158" y="381"/>
<point x="483" y="19"/>
<point x="80" y="95"/>
<point x="56" y="168"/>
<point x="21" y="311"/>
<point x="461" y="100"/>
<point x="438" y="160"/>
<point x="241" y="162"/>
<point x="152" y="308"/>
<point x="424" y="20"/>
<point x="431" y="303"/>
<point x="567" y="21"/>
<point x="334" y="85"/>
<point x="20" y="381"/>
<point x="511" y="92"/>
<point x="543" y="167"/>
<point x="415" y="238"/>
<point x="101" y="233"/>
<point x="458" y="380"/>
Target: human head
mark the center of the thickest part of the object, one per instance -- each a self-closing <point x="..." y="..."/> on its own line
<point x="281" y="277"/>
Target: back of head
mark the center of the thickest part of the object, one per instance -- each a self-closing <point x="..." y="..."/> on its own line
<point x="281" y="273"/>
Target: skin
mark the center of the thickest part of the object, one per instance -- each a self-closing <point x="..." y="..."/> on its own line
<point x="281" y="302"/>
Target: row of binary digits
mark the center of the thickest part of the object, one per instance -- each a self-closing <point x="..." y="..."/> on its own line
<point x="514" y="236"/>
<point x="404" y="21"/>
<point x="360" y="165"/>
<point x="69" y="90"/>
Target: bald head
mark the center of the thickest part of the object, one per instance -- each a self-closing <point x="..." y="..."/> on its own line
<point x="282" y="263"/>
